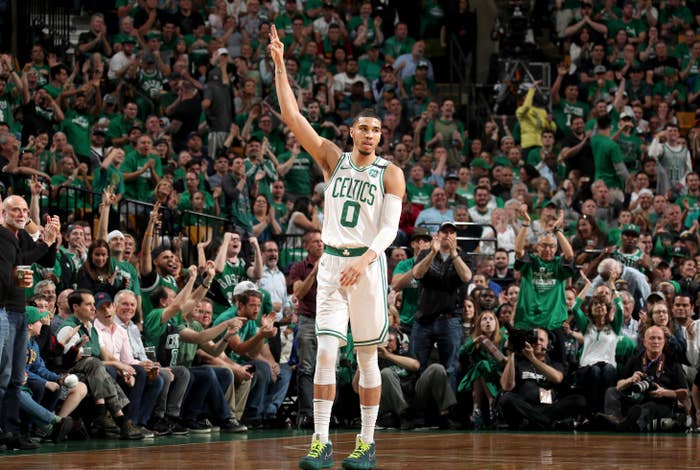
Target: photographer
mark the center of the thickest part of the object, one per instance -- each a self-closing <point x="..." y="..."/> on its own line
<point x="529" y="383"/>
<point x="650" y="388"/>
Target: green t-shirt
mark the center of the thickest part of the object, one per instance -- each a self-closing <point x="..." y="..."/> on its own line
<point x="7" y="103"/>
<point x="634" y="28"/>
<point x="419" y="195"/>
<point x="111" y="176"/>
<point x="631" y="148"/>
<point x="76" y="126"/>
<point x="187" y="351"/>
<point x="271" y="175"/>
<point x="394" y="47"/>
<point x="141" y="188"/>
<point x="409" y="295"/>
<point x="167" y="281"/>
<point x="542" y="301"/>
<point x="128" y="271"/>
<point x="232" y="274"/>
<point x="605" y="154"/>
<point x="297" y="180"/>
<point x="69" y="199"/>
<point x="153" y="329"/>
<point x="119" y="126"/>
<point x="665" y="92"/>
<point x="565" y="111"/>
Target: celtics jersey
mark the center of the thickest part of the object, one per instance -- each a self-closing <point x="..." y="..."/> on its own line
<point x="353" y="203"/>
<point x="676" y="163"/>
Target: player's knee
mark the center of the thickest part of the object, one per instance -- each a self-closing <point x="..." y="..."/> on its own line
<point x="370" y="376"/>
<point x="326" y="356"/>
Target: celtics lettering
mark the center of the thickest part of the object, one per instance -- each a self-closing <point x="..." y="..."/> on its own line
<point x="357" y="190"/>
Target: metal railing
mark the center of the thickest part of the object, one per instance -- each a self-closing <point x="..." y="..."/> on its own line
<point x="47" y="22"/>
<point x="462" y="238"/>
<point x="74" y="203"/>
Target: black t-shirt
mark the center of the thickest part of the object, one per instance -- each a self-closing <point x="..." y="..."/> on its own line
<point x="141" y="18"/>
<point x="658" y="65"/>
<point x="582" y="161"/>
<point x="529" y="381"/>
<point x="187" y="112"/>
<point x="188" y="23"/>
<point x="440" y="290"/>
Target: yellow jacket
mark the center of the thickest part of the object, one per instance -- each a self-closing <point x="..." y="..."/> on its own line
<point x="533" y="121"/>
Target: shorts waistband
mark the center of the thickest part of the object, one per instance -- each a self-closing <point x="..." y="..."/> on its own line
<point x="345" y="252"/>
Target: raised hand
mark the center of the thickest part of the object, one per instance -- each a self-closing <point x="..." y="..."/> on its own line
<point x="524" y="215"/>
<point x="276" y="48"/>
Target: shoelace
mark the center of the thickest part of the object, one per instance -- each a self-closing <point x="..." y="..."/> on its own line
<point x="360" y="450"/>
<point x="316" y="449"/>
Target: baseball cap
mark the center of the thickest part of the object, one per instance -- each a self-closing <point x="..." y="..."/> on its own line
<point x="102" y="298"/>
<point x="656" y="296"/>
<point x="34" y="315"/>
<point x="421" y="232"/>
<point x="129" y="40"/>
<point x="244" y="286"/>
<point x="99" y="131"/>
<point x="680" y="252"/>
<point x="627" y="115"/>
<point x="631" y="229"/>
<point x="480" y="163"/>
<point x="320" y="187"/>
<point x="452" y="176"/>
<point x="669" y="71"/>
<point x="110" y="99"/>
<point x="221" y="51"/>
<point x="689" y="237"/>
<point x="447" y="223"/>
<point x="599" y="69"/>
<point x="422" y="63"/>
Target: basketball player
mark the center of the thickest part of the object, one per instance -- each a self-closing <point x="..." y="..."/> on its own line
<point x="361" y="217"/>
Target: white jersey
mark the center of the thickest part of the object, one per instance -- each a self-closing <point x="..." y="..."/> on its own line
<point x="353" y="203"/>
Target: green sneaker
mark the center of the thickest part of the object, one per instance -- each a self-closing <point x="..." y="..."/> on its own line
<point x="320" y="455"/>
<point x="362" y="458"/>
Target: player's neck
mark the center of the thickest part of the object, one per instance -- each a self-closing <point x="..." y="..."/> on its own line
<point x="360" y="159"/>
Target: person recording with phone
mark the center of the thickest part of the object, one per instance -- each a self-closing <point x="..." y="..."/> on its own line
<point x="529" y="381"/>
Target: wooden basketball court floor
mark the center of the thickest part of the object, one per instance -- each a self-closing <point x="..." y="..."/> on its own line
<point x="395" y="450"/>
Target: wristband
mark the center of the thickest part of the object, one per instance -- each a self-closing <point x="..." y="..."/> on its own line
<point x="524" y="225"/>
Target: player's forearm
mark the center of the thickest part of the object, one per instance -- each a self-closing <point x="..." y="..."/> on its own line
<point x="285" y="94"/>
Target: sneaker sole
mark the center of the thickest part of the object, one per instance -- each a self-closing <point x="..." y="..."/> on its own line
<point x="311" y="466"/>
<point x="199" y="431"/>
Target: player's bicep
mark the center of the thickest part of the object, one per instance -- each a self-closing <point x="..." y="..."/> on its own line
<point x="394" y="182"/>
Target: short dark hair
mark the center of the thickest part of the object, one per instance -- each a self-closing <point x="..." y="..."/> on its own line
<point x="76" y="298"/>
<point x="158" y="294"/>
<point x="367" y="113"/>
<point x="604" y="122"/>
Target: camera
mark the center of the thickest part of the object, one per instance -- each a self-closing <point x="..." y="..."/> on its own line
<point x="642" y="387"/>
<point x="517" y="339"/>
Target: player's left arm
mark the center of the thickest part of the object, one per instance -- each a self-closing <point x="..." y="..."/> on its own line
<point x="394" y="188"/>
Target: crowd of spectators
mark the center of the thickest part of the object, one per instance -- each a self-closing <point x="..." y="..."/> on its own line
<point x="175" y="325"/>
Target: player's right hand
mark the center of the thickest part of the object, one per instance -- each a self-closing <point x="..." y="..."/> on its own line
<point x="276" y="47"/>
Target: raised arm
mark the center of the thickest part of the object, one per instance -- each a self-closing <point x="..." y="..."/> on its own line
<point x="323" y="151"/>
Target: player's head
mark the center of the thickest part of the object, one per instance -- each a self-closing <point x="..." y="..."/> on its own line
<point x="366" y="131"/>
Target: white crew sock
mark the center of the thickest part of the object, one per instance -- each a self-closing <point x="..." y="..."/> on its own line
<point x="322" y="418"/>
<point x="369" y="419"/>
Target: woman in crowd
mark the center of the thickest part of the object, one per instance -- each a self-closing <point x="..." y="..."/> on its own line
<point x="482" y="358"/>
<point x="265" y="226"/>
<point x="601" y="329"/>
<point x="98" y="274"/>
